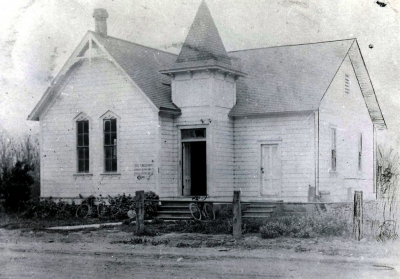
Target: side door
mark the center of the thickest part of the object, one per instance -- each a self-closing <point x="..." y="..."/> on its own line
<point x="270" y="170"/>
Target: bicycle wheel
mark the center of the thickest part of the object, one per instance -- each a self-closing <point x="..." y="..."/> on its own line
<point x="82" y="211"/>
<point x="195" y="211"/>
<point x="101" y="210"/>
<point x="208" y="212"/>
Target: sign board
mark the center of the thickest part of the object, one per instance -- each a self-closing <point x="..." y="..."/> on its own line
<point x="143" y="171"/>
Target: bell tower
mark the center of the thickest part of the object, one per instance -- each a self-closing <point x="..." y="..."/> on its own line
<point x="203" y="74"/>
<point x="204" y="88"/>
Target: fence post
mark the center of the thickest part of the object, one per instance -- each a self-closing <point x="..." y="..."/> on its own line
<point x="237" y="215"/>
<point x="358" y="215"/>
<point x="139" y="212"/>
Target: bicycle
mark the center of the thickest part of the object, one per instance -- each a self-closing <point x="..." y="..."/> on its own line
<point x="200" y="209"/>
<point x="86" y="207"/>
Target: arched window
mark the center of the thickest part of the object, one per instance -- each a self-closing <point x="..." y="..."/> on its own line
<point x="110" y="142"/>
<point x="82" y="143"/>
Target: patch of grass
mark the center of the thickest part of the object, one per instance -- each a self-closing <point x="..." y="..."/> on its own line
<point x="305" y="227"/>
<point x="14" y="221"/>
<point x="222" y="226"/>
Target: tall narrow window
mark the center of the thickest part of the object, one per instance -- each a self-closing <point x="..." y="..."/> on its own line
<point x="333" y="149"/>
<point x="83" y="145"/>
<point x="347" y="84"/>
<point x="110" y="145"/>
<point x="360" y="152"/>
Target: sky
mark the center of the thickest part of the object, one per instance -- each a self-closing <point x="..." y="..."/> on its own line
<point x="38" y="36"/>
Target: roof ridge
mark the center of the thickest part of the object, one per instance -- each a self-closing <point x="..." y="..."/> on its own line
<point x="126" y="41"/>
<point x="314" y="43"/>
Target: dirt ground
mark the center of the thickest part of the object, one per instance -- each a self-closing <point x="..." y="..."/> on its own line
<point x="112" y="253"/>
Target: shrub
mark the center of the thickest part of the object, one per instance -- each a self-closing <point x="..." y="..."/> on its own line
<point x="16" y="186"/>
<point x="223" y="211"/>
<point x="270" y="230"/>
<point x="121" y="204"/>
<point x="48" y="208"/>
<point x="223" y="226"/>
<point x="305" y="227"/>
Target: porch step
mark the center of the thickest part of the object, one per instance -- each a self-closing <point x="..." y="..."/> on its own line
<point x="174" y="210"/>
<point x="258" y="209"/>
<point x="176" y="218"/>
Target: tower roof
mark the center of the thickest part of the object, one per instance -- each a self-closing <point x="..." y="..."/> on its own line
<point x="203" y="41"/>
<point x="203" y="47"/>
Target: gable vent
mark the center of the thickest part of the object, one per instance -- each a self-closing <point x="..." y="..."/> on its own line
<point x="347" y="84"/>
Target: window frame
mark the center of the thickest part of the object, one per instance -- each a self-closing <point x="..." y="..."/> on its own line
<point x="83" y="144"/>
<point x="109" y="115"/>
<point x="112" y="145"/>
<point x="74" y="128"/>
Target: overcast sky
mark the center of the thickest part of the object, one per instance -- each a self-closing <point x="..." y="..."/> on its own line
<point x="38" y="36"/>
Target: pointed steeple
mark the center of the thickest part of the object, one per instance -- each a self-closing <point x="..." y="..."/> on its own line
<point x="203" y="41"/>
<point x="203" y="48"/>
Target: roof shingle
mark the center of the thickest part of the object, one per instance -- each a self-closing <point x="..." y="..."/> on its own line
<point x="142" y="64"/>
<point x="287" y="78"/>
<point x="203" y="41"/>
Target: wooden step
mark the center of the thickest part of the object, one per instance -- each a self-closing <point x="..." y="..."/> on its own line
<point x="261" y="206"/>
<point x="176" y="218"/>
<point x="173" y="208"/>
<point x="257" y="215"/>
<point x="259" y="211"/>
<point x="174" y="212"/>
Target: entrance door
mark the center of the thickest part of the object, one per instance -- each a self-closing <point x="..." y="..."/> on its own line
<point x="194" y="168"/>
<point x="186" y="169"/>
<point x="270" y="170"/>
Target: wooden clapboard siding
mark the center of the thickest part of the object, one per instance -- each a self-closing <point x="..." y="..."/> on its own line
<point x="205" y="99"/>
<point x="295" y="134"/>
<point x="223" y="152"/>
<point x="95" y="88"/>
<point x="168" y="158"/>
<point x="349" y="114"/>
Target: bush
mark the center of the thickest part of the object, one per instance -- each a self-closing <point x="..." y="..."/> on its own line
<point x="15" y="186"/>
<point x="48" y="208"/>
<point x="118" y="208"/>
<point x="219" y="226"/>
<point x="121" y="204"/>
<point x="305" y="227"/>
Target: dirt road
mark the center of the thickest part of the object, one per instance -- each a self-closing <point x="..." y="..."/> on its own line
<point x="93" y="255"/>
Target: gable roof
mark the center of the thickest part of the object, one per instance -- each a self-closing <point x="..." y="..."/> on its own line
<point x="142" y="64"/>
<point x="366" y="86"/>
<point x="294" y="78"/>
<point x="139" y="62"/>
<point x="287" y="78"/>
<point x="280" y="79"/>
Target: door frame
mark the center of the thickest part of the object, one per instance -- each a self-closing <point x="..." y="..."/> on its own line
<point x="180" y="163"/>
<point x="260" y="146"/>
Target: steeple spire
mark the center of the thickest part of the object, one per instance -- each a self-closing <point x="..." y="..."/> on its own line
<point x="203" y="48"/>
<point x="203" y="41"/>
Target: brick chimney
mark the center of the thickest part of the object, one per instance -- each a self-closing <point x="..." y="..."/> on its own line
<point x="100" y="17"/>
